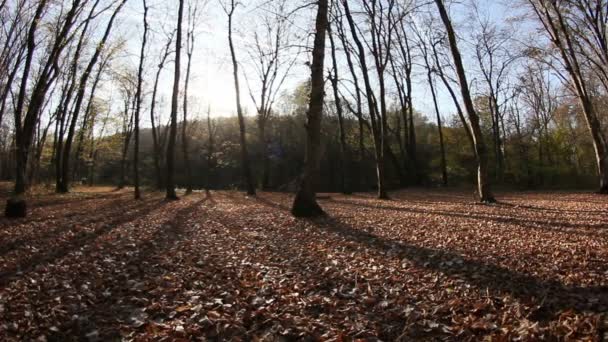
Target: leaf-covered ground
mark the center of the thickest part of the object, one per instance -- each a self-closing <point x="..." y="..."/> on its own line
<point x="426" y="265"/>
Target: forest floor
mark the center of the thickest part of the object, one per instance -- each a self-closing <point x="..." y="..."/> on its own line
<point x="428" y="264"/>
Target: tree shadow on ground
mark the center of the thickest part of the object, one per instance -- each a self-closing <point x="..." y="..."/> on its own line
<point x="600" y="213"/>
<point x="523" y="222"/>
<point x="552" y="296"/>
<point x="143" y="264"/>
<point x="77" y="216"/>
<point x="50" y="253"/>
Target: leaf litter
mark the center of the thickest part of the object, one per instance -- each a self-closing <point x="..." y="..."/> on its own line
<point x="428" y="265"/>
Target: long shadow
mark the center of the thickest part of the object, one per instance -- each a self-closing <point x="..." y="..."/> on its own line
<point x="553" y="295"/>
<point x="74" y="206"/>
<point x="80" y="217"/>
<point x="551" y="210"/>
<point x="530" y="223"/>
<point x="271" y="204"/>
<point x="79" y="240"/>
<point x="119" y="307"/>
<point x="72" y="198"/>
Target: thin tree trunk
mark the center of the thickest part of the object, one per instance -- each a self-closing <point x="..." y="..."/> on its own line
<point x="210" y="150"/>
<point x="444" y="170"/>
<point x="483" y="180"/>
<point x="376" y="130"/>
<point x="360" y="172"/>
<point x="185" y="149"/>
<point x="246" y="169"/>
<point x="344" y="150"/>
<point x="65" y="169"/>
<point x="170" y="191"/>
<point x="86" y="125"/>
<point x="138" y="100"/>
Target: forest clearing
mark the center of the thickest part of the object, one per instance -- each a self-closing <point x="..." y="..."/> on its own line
<point x="304" y="170"/>
<point x="428" y="264"/>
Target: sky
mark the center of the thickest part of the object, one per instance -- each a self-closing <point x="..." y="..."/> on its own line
<point x="212" y="83"/>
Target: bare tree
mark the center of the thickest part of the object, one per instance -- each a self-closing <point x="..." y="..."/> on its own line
<point x="552" y="17"/>
<point x="246" y="168"/>
<point x="424" y="47"/>
<point x="271" y="66"/>
<point x="374" y="113"/>
<point x="305" y="202"/>
<point x="483" y="181"/>
<point x="157" y="140"/>
<point x="190" y="39"/>
<point x="344" y="149"/>
<point x="82" y="85"/>
<point x="138" y="100"/>
<point x="495" y="60"/>
<point x="170" y="190"/>
<point x="25" y="124"/>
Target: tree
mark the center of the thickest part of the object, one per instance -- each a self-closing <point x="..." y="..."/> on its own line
<point x="246" y="168"/>
<point x="552" y="17"/>
<point x="483" y="181"/>
<point x="157" y="140"/>
<point x="495" y="59"/>
<point x="82" y="85"/>
<point x="190" y="38"/>
<point x="429" y="75"/>
<point x="138" y="100"/>
<point x="170" y="186"/>
<point x="375" y="115"/>
<point x="271" y="67"/>
<point x="344" y="149"/>
<point x="305" y="202"/>
<point x="26" y="124"/>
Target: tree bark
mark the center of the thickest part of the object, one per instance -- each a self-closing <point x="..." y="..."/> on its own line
<point x="158" y="147"/>
<point x="305" y="202"/>
<point x="373" y="111"/>
<point x="65" y="169"/>
<point x="246" y="168"/>
<point x="185" y="148"/>
<point x="556" y="26"/>
<point x="16" y="205"/>
<point x="170" y="190"/>
<point x="483" y="179"/>
<point x="344" y="150"/>
<point x="138" y="100"/>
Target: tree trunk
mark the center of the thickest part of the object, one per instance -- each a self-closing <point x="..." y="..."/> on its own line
<point x="483" y="180"/>
<point x="210" y="150"/>
<point x="170" y="191"/>
<point x="361" y="136"/>
<point x="344" y="150"/>
<point x="65" y="168"/>
<point x="305" y="202"/>
<point x="85" y="120"/>
<point x="138" y="100"/>
<point x="246" y="169"/>
<point x="265" y="157"/>
<point x="16" y="205"/>
<point x="185" y="148"/>
<point x="125" y="148"/>
<point x="157" y="147"/>
<point x="373" y="111"/>
<point x="444" y="169"/>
